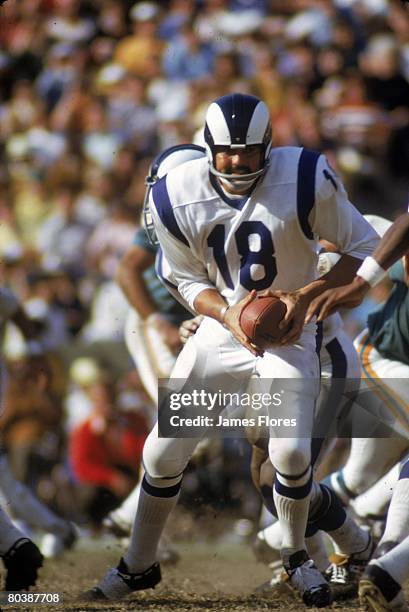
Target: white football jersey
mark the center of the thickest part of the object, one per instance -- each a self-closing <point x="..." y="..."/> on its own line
<point x="265" y="240"/>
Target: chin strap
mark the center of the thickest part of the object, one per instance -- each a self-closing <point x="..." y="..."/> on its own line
<point x="238" y="181"/>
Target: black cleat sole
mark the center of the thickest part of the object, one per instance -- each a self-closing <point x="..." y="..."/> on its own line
<point x="319" y="598"/>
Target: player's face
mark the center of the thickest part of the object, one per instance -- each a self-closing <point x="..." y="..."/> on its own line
<point x="238" y="161"/>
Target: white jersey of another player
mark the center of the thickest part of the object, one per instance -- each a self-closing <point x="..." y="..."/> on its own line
<point x="265" y="240"/>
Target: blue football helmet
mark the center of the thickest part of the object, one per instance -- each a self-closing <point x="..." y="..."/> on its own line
<point x="237" y="121"/>
<point x="165" y="161"/>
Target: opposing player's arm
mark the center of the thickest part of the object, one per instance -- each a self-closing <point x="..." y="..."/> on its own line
<point x="129" y="277"/>
<point x="394" y="245"/>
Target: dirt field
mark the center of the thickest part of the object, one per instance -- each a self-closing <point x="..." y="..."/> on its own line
<point x="208" y="577"/>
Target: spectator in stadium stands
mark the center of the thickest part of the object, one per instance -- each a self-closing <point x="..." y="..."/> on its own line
<point x="30" y="419"/>
<point x="105" y="451"/>
<point x="134" y="52"/>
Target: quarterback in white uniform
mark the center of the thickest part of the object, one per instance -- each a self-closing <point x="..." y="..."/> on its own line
<point x="248" y="225"/>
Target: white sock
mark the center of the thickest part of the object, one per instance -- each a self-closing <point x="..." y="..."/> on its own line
<point x="350" y="538"/>
<point x="152" y="513"/>
<point x="374" y="501"/>
<point x="397" y="522"/>
<point x="8" y="533"/>
<point x="292" y="513"/>
<point x="315" y="544"/>
<point x="126" y="512"/>
<point x="396" y="562"/>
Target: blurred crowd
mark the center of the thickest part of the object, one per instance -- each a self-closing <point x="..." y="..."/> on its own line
<point x="91" y="90"/>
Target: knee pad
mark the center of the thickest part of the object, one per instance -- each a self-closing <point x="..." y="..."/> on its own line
<point x="290" y="456"/>
<point x="162" y="462"/>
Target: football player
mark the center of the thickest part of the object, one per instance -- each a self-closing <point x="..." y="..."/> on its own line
<point x="152" y="327"/>
<point x="241" y="222"/>
<point x="384" y="355"/>
<point x="380" y="587"/>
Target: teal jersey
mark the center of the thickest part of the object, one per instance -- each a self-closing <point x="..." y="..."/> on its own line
<point x="389" y="324"/>
<point x="166" y="304"/>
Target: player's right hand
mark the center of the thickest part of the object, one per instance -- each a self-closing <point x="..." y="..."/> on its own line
<point x="232" y="322"/>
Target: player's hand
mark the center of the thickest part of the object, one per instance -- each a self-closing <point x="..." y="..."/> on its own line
<point x="347" y="296"/>
<point x="189" y="327"/>
<point x="232" y="322"/>
<point x="293" y="320"/>
<point x="168" y="332"/>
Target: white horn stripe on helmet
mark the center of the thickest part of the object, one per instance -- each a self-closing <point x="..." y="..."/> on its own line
<point x="258" y="123"/>
<point x="217" y="124"/>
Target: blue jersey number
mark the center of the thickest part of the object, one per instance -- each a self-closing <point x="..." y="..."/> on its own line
<point x="263" y="257"/>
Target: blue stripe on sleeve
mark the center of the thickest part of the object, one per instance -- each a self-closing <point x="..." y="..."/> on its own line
<point x="165" y="211"/>
<point x="306" y="188"/>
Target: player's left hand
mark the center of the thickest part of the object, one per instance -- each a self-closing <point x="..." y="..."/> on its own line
<point x="293" y="320"/>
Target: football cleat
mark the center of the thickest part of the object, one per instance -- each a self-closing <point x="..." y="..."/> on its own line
<point x="119" y="582"/>
<point x="379" y="592"/>
<point x="345" y="571"/>
<point x="307" y="579"/>
<point x="22" y="562"/>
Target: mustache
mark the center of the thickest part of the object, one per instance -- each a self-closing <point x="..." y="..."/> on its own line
<point x="239" y="170"/>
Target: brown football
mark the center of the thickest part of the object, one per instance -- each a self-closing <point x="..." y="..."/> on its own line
<point x="259" y="320"/>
